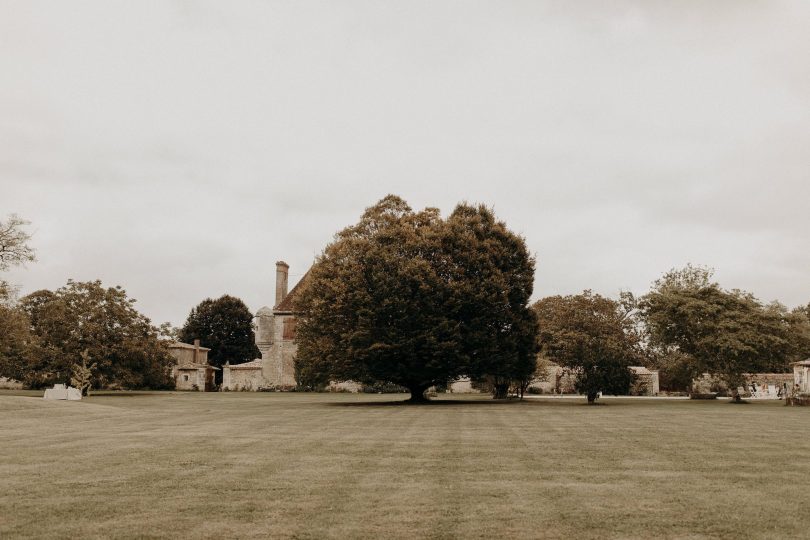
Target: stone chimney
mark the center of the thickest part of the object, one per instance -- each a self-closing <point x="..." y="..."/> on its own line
<point x="196" y="351"/>
<point x="282" y="269"/>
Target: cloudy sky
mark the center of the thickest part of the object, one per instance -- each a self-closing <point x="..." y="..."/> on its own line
<point x="180" y="148"/>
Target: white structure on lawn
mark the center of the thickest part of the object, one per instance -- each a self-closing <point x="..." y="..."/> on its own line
<point x="60" y="391"/>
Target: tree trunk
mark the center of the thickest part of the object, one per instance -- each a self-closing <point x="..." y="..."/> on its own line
<point x="592" y="397"/>
<point x="417" y="393"/>
<point x="500" y="390"/>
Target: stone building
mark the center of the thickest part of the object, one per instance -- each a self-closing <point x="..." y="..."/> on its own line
<point x="275" y="335"/>
<point x="555" y="380"/>
<point x="646" y="382"/>
<point x="192" y="371"/>
<point x="275" y="338"/>
<point x="801" y="376"/>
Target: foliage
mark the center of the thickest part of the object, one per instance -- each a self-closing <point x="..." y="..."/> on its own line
<point x="83" y="374"/>
<point x="517" y="386"/>
<point x="675" y="370"/>
<point x="84" y="316"/>
<point x="15" y="336"/>
<point x="14" y="248"/>
<point x="798" y="330"/>
<point x="541" y="373"/>
<point x="594" y="337"/>
<point x="17" y="344"/>
<point x="225" y="326"/>
<point x="725" y="333"/>
<point x="416" y="300"/>
<point x="14" y="251"/>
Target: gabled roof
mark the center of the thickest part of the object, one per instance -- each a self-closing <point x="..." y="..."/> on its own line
<point x="253" y="364"/>
<point x="802" y="363"/>
<point x="192" y="365"/>
<point x="181" y="345"/>
<point x="640" y="370"/>
<point x="290" y="302"/>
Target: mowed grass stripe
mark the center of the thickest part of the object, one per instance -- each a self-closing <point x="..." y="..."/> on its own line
<point x="336" y="466"/>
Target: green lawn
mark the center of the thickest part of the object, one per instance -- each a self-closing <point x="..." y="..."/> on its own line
<point x="348" y="466"/>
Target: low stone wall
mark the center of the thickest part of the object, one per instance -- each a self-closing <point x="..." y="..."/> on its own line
<point x="245" y="379"/>
<point x="10" y="384"/>
<point x="345" y="386"/>
<point x="763" y="382"/>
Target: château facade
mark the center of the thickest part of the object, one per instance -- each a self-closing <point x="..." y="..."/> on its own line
<point x="275" y="338"/>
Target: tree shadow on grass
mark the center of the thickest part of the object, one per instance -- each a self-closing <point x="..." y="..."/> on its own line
<point x="483" y="402"/>
<point x="126" y="393"/>
<point x="399" y="400"/>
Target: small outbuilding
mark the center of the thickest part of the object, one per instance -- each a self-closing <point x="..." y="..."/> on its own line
<point x="801" y="376"/>
<point x="192" y="371"/>
<point x="246" y="376"/>
<point x="646" y="381"/>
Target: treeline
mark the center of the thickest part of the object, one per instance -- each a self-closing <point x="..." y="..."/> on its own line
<point x="413" y="299"/>
<point x="45" y="336"/>
<point x="686" y="325"/>
<point x="416" y="300"/>
<point x="81" y="333"/>
<point x="92" y="336"/>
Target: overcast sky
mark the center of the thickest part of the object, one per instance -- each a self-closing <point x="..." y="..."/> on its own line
<point x="180" y="148"/>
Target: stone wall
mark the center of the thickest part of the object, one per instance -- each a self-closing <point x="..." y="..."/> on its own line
<point x="346" y="386"/>
<point x="245" y="379"/>
<point x="10" y="384"/>
<point x="707" y="383"/>
<point x="556" y="380"/>
<point x="187" y="378"/>
<point x="279" y="365"/>
<point x="801" y="376"/>
<point x="184" y="354"/>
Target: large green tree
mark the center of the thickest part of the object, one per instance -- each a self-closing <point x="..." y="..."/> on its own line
<point x="594" y="337"/>
<point x="725" y="333"/>
<point x="103" y="321"/>
<point x="17" y="344"/>
<point x="416" y="300"/>
<point x="798" y="330"/>
<point x="225" y="326"/>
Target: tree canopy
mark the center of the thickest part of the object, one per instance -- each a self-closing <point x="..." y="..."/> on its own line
<point x="85" y="317"/>
<point x="594" y="337"/>
<point x="16" y="343"/>
<point x="14" y="251"/>
<point x="16" y="340"/>
<point x="416" y="300"/>
<point x="14" y="248"/>
<point x="725" y="333"/>
<point x="225" y="326"/>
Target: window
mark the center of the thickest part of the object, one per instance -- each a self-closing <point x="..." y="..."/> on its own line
<point x="185" y="377"/>
<point x="288" y="331"/>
